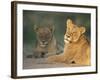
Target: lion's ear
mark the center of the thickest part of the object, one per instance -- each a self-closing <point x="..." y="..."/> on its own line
<point x="69" y="23"/>
<point x="35" y="28"/>
<point x="82" y="29"/>
<point x="52" y="28"/>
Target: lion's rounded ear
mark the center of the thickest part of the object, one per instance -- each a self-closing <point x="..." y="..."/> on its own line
<point x="35" y="28"/>
<point x="83" y="29"/>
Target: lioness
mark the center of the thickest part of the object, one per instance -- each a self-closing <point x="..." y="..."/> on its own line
<point x="76" y="48"/>
<point x="46" y="44"/>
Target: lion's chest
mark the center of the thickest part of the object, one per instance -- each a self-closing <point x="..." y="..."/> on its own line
<point x="71" y="47"/>
<point x="71" y="50"/>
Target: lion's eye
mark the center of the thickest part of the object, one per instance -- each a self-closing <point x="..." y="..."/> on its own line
<point x="40" y="36"/>
<point x="74" y="33"/>
<point x="71" y="34"/>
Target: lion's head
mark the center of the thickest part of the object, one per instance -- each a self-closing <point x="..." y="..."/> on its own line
<point x="44" y="34"/>
<point x="73" y="32"/>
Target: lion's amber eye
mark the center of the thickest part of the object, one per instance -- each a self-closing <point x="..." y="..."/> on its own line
<point x="74" y="33"/>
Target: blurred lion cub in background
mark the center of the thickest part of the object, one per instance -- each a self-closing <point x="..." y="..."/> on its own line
<point x="46" y="44"/>
<point x="76" y="48"/>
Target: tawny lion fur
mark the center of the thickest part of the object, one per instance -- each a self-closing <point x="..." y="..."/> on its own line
<point x="76" y="48"/>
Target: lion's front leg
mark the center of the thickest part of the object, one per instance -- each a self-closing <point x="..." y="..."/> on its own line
<point x="56" y="59"/>
<point x="48" y="54"/>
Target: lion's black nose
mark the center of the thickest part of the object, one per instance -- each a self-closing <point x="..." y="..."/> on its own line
<point x="68" y="36"/>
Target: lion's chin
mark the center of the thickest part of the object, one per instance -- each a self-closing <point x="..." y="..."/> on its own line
<point x="66" y="41"/>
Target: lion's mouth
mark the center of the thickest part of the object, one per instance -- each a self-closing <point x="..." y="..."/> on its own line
<point x="67" y="40"/>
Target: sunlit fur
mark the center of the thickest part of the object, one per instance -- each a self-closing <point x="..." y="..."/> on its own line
<point x="76" y="48"/>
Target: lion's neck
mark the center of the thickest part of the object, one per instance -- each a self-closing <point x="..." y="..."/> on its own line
<point x="83" y="39"/>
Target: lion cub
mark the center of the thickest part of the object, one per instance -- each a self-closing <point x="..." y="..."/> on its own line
<point x="46" y="44"/>
<point x="76" y="48"/>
